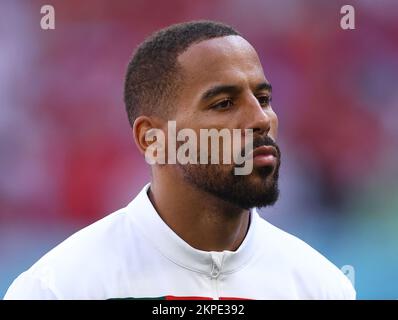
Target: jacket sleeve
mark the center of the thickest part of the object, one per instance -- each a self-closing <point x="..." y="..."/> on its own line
<point x="28" y="287"/>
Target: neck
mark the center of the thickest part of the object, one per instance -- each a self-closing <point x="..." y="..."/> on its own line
<point x="202" y="220"/>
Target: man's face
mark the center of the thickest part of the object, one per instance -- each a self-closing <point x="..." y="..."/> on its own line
<point x="224" y="87"/>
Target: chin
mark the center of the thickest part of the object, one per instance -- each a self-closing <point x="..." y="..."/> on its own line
<point x="261" y="179"/>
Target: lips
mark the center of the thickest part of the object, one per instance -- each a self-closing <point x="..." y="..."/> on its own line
<point x="265" y="151"/>
<point x="265" y="156"/>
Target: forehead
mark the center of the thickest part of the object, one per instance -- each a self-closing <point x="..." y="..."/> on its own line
<point x="229" y="59"/>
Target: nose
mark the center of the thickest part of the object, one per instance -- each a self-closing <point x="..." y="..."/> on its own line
<point x="258" y="119"/>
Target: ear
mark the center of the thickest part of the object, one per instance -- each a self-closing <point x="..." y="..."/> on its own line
<point x="141" y="126"/>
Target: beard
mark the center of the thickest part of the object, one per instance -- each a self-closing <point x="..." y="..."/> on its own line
<point x="257" y="189"/>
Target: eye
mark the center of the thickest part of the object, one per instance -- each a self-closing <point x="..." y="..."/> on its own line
<point x="223" y="105"/>
<point x="264" y="100"/>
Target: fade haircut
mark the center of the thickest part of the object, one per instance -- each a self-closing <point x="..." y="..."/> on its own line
<point x="153" y="73"/>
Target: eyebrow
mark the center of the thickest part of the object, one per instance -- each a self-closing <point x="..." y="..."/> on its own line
<point x="230" y="89"/>
<point x="264" y="86"/>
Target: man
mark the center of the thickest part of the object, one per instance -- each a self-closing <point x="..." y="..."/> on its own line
<point x="193" y="231"/>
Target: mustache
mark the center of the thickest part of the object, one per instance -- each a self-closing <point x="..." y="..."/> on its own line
<point x="262" y="141"/>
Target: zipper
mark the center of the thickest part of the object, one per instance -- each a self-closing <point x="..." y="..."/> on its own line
<point x="214" y="280"/>
<point x="215" y="273"/>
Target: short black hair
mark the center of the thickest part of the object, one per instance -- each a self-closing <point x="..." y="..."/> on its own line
<point x="153" y="73"/>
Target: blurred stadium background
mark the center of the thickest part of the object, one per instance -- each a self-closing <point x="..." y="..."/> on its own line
<point x="66" y="152"/>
